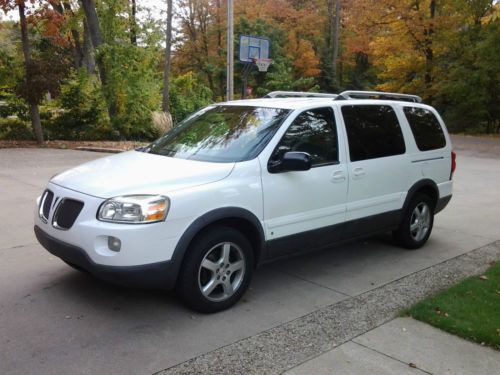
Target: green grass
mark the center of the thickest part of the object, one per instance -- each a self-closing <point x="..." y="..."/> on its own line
<point x="470" y="309"/>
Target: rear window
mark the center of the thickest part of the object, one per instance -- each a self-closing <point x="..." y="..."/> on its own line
<point x="373" y="131"/>
<point x="425" y="128"/>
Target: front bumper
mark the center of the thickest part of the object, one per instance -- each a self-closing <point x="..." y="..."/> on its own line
<point x="148" y="276"/>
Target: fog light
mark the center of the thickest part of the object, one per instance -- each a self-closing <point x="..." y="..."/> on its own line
<point x="114" y="244"/>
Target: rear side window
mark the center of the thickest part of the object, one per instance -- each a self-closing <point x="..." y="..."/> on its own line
<point x="425" y="128"/>
<point x="313" y="131"/>
<point x="373" y="131"/>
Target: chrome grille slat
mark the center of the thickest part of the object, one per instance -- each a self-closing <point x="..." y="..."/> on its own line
<point x="45" y="205"/>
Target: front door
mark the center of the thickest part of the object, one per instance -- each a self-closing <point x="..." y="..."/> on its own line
<point x="305" y="209"/>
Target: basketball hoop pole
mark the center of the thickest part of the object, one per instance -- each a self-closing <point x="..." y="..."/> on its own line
<point x="246" y="72"/>
<point x="230" y="53"/>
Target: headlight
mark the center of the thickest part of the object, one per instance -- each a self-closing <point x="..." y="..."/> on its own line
<point x="134" y="209"/>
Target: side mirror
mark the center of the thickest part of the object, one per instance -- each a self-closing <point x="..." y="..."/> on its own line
<point x="291" y="161"/>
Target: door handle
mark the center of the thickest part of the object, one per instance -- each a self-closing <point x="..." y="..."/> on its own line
<point x="338" y="176"/>
<point x="358" y="172"/>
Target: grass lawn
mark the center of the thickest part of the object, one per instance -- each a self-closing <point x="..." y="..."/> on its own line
<point x="470" y="309"/>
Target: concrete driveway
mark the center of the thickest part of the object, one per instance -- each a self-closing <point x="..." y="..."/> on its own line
<point x="54" y="320"/>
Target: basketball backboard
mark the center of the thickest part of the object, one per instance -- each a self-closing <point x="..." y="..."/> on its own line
<point x="253" y="47"/>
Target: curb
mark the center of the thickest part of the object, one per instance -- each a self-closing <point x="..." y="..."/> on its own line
<point x="283" y="347"/>
<point x="100" y="149"/>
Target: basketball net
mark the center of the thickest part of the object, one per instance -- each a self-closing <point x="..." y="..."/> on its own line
<point x="262" y="64"/>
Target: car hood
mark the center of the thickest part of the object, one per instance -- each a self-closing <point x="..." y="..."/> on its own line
<point x="135" y="172"/>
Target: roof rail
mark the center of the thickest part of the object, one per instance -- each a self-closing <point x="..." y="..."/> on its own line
<point x="351" y="94"/>
<point x="298" y="94"/>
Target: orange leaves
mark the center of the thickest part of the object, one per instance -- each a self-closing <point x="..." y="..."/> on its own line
<point x="302" y="54"/>
<point x="301" y="24"/>
<point x="50" y="24"/>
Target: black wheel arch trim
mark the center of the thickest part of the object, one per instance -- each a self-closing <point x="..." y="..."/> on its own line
<point x="212" y="217"/>
<point x="425" y="183"/>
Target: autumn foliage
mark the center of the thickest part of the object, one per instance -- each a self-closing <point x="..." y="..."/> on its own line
<point x="443" y="50"/>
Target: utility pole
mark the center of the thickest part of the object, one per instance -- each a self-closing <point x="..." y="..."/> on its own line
<point x="165" y="104"/>
<point x="230" y="52"/>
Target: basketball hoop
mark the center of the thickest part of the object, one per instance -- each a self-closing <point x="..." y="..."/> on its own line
<point x="262" y="64"/>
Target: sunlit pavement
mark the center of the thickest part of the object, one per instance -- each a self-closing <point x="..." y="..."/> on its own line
<point x="54" y="320"/>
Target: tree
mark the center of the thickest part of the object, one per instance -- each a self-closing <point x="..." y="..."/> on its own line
<point x="133" y="22"/>
<point x="168" y="60"/>
<point x="7" y="5"/>
<point x="92" y="23"/>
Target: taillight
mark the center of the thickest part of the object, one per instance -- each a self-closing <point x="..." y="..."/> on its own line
<point x="453" y="162"/>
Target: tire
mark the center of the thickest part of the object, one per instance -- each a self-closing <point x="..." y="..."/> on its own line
<point x="216" y="270"/>
<point x="416" y="226"/>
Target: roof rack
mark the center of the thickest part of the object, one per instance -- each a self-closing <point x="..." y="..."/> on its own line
<point x="298" y="94"/>
<point x="350" y="94"/>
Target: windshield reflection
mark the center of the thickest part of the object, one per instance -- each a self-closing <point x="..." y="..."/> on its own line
<point x="224" y="133"/>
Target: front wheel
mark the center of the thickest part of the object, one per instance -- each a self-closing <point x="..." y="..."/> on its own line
<point x="417" y="223"/>
<point x="216" y="271"/>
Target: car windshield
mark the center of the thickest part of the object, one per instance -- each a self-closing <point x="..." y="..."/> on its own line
<point x="223" y="133"/>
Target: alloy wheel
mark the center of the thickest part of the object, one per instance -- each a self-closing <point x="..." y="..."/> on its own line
<point x="420" y="221"/>
<point x="221" y="271"/>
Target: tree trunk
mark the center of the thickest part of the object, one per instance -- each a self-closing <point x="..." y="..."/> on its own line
<point x="331" y="26"/>
<point x="133" y="23"/>
<point x="87" y="49"/>
<point x="221" y="75"/>
<point x="95" y="37"/>
<point x="336" y="40"/>
<point x="77" y="50"/>
<point x="34" y="113"/>
<point x="95" y="34"/>
<point x="429" y="52"/>
<point x="168" y="60"/>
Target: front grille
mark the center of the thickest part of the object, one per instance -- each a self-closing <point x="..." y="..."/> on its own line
<point x="66" y="213"/>
<point x="45" y="204"/>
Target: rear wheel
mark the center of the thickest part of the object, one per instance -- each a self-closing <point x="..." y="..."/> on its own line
<point x="417" y="222"/>
<point x="216" y="271"/>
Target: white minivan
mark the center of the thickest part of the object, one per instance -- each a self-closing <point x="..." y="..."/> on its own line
<point x="243" y="182"/>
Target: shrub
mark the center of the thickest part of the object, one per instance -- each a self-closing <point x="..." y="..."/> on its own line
<point x="133" y="89"/>
<point x="187" y="95"/>
<point x="13" y="106"/>
<point x="15" y="129"/>
<point x="162" y="122"/>
<point x="81" y="115"/>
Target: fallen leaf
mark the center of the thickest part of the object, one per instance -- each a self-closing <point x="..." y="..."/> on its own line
<point x="483" y="277"/>
<point x="412" y="365"/>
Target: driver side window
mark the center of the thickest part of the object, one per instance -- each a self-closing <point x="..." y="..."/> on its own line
<point x="313" y="131"/>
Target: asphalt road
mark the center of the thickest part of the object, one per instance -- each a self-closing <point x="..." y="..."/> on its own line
<point x="54" y="320"/>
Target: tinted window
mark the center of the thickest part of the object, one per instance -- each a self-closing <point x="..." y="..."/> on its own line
<point x="426" y="128"/>
<point x="373" y="131"/>
<point x="221" y="134"/>
<point x="314" y="132"/>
